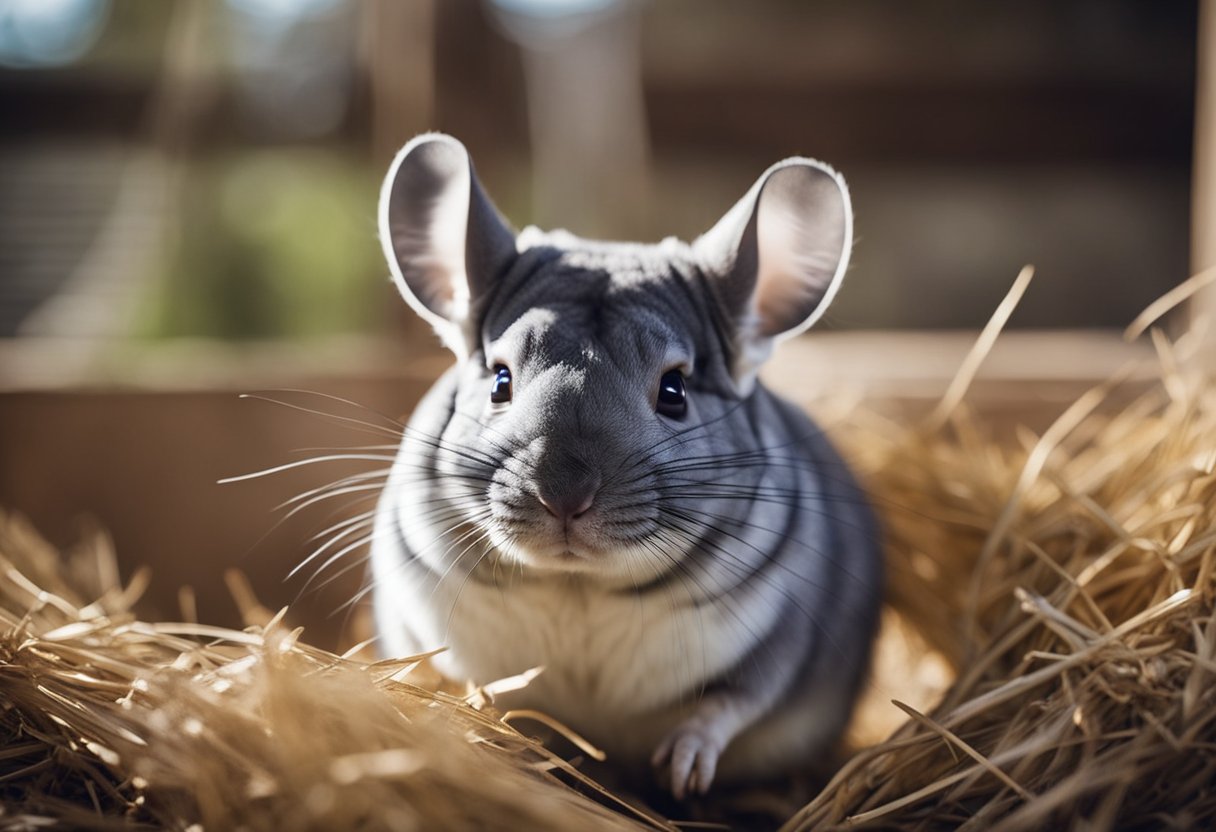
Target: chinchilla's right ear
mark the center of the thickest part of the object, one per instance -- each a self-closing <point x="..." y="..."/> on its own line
<point x="776" y="259"/>
<point x="445" y="242"/>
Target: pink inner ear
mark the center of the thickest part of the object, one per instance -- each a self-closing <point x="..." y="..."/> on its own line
<point x="801" y="225"/>
<point x="427" y="215"/>
<point x="442" y="255"/>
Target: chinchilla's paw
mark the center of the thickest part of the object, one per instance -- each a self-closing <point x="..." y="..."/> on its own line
<point x="690" y="754"/>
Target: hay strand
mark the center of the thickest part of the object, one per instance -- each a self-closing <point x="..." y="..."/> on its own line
<point x="983" y="345"/>
<point x="1171" y="299"/>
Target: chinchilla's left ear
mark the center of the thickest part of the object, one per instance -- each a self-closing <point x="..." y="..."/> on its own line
<point x="776" y="259"/>
<point x="445" y="242"/>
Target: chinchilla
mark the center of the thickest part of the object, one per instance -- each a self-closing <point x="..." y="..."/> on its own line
<point x="601" y="486"/>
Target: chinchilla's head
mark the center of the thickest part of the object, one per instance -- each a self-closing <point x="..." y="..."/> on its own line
<point x="599" y="385"/>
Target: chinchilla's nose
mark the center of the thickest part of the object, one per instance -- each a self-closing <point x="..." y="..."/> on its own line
<point x="568" y="498"/>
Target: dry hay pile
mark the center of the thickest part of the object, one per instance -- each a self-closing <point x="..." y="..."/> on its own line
<point x="110" y="722"/>
<point x="1068" y="576"/>
<point x="1070" y="579"/>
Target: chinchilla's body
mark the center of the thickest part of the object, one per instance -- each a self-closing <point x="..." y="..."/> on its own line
<point x="600" y="487"/>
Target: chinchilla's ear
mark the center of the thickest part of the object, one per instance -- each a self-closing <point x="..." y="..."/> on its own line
<point x="778" y="256"/>
<point x="445" y="242"/>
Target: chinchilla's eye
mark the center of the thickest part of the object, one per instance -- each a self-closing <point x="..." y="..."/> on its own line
<point x="673" y="400"/>
<point x="500" y="391"/>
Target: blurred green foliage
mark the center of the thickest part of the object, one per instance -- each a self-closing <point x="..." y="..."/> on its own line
<point x="271" y="244"/>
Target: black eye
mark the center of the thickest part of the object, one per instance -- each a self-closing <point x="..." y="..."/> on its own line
<point x="500" y="391"/>
<point x="673" y="401"/>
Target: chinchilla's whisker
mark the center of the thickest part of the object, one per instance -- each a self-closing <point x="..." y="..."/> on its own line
<point x="761" y="455"/>
<point x="479" y="535"/>
<point x="364" y="540"/>
<point x="505" y="448"/>
<point x="392" y="423"/>
<point x="457" y="470"/>
<point x="444" y="510"/>
<point x="463" y="516"/>
<point x="368" y="588"/>
<point x="392" y="449"/>
<point x="379" y="475"/>
<point x="764" y="455"/>
<point x="353" y="601"/>
<point x="476" y="530"/>
<point x="300" y="503"/>
<point x="357" y="563"/>
<point x="480" y="539"/>
<point x="740" y="568"/>
<point x="336" y="540"/>
<point x="397" y="567"/>
<point x="372" y="481"/>
<point x="796" y="602"/>
<point x="643" y="455"/>
<point x="835" y="471"/>
<point x="507" y="460"/>
<point x="732" y="605"/>
<point x="456" y="455"/>
<point x="690" y="682"/>
<point x="336" y="556"/>
<point x="357" y="425"/>
<point x="643" y="501"/>
<point x="333" y="540"/>
<point x="717" y="466"/>
<point x="359" y="482"/>
<point x="736" y="613"/>
<point x="299" y="463"/>
<point x="349" y="521"/>
<point x="810" y="504"/>
<point x="688" y="516"/>
<point x="439" y="443"/>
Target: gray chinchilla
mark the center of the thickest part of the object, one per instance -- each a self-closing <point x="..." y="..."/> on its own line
<point x="601" y="487"/>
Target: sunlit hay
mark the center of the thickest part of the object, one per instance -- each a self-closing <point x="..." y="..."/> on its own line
<point x="1070" y="579"/>
<point x="107" y="720"/>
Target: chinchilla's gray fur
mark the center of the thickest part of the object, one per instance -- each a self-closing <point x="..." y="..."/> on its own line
<point x="701" y="590"/>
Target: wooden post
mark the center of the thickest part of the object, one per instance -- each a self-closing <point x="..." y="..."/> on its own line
<point x="399" y="39"/>
<point x="1203" y="206"/>
<point x="587" y="119"/>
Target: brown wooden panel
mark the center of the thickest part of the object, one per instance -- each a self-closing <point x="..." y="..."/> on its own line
<point x="144" y="467"/>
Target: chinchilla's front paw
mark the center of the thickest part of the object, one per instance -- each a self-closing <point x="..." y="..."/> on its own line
<point x="690" y="754"/>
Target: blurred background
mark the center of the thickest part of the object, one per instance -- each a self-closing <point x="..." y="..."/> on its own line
<point x="188" y="194"/>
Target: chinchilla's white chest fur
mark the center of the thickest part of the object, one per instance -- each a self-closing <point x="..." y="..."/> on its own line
<point x="608" y="657"/>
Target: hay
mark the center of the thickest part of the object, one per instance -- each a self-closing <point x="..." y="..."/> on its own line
<point x="1068" y="578"/>
<point x="108" y="721"/>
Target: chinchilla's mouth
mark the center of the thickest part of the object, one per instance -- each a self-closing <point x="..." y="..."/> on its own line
<point x="552" y="556"/>
<point x="563" y="554"/>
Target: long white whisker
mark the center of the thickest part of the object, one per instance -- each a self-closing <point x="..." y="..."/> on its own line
<point x="302" y="462"/>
